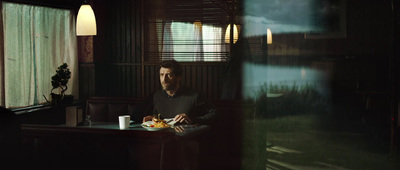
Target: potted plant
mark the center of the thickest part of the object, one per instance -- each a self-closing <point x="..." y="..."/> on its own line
<point x="59" y="82"/>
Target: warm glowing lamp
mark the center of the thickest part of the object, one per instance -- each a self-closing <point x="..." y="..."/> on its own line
<point x="86" y="21"/>
<point x="269" y="36"/>
<point x="228" y="33"/>
<point x="197" y="23"/>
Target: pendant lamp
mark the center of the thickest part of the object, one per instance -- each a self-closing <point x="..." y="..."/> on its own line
<point x="269" y="36"/>
<point x="228" y="33"/>
<point x="86" y="21"/>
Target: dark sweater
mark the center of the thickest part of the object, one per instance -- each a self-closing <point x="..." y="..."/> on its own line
<point x="185" y="100"/>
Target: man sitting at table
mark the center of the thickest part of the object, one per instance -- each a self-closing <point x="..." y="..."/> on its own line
<point x="176" y="101"/>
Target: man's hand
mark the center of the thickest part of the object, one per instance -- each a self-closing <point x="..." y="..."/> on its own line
<point x="147" y="118"/>
<point x="182" y="118"/>
<point x="179" y="129"/>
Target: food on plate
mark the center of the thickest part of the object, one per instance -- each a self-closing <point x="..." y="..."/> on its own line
<point x="159" y="123"/>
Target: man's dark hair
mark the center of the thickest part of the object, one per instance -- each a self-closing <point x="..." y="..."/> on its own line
<point x="173" y="65"/>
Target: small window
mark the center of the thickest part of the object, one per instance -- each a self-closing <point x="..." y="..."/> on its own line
<point x="185" y="31"/>
<point x="37" y="40"/>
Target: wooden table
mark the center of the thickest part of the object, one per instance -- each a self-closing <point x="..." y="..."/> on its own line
<point x="104" y="145"/>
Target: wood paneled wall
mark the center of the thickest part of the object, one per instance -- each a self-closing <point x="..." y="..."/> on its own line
<point x="86" y="80"/>
<point x="119" y="31"/>
<point x="136" y="80"/>
<point x="118" y="68"/>
<point x="206" y="78"/>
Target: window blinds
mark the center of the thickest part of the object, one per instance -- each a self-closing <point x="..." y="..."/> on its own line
<point x="189" y="31"/>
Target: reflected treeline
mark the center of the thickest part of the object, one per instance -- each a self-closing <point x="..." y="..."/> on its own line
<point x="275" y="100"/>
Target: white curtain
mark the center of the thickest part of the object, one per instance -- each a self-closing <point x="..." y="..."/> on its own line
<point x="166" y="41"/>
<point x="213" y="46"/>
<point x="189" y="42"/>
<point x="198" y="41"/>
<point x="36" y="41"/>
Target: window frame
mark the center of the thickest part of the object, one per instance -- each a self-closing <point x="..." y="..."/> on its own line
<point x="148" y="58"/>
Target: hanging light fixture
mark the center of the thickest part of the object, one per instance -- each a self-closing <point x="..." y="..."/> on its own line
<point x="197" y="23"/>
<point x="269" y="36"/>
<point x="86" y="21"/>
<point x="228" y="34"/>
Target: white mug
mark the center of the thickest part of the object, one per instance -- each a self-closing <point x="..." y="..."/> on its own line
<point x="124" y="121"/>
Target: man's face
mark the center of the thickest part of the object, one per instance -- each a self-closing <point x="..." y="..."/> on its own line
<point x="168" y="79"/>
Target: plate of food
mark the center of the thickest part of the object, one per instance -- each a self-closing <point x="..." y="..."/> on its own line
<point x="156" y="124"/>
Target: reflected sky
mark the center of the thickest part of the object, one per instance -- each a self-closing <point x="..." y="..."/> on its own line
<point x="291" y="16"/>
<point x="257" y="75"/>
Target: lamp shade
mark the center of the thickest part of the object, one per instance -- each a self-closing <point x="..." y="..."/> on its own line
<point x="198" y="23"/>
<point x="86" y="21"/>
<point x="228" y="33"/>
<point x="269" y="36"/>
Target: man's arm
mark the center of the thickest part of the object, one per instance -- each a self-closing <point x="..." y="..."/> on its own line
<point x="206" y="112"/>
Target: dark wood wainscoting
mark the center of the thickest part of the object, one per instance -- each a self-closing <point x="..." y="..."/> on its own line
<point x="86" y="80"/>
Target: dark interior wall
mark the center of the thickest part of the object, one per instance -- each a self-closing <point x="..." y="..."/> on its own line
<point x="117" y="68"/>
<point x="119" y="29"/>
<point x="118" y="64"/>
<point x="395" y="81"/>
